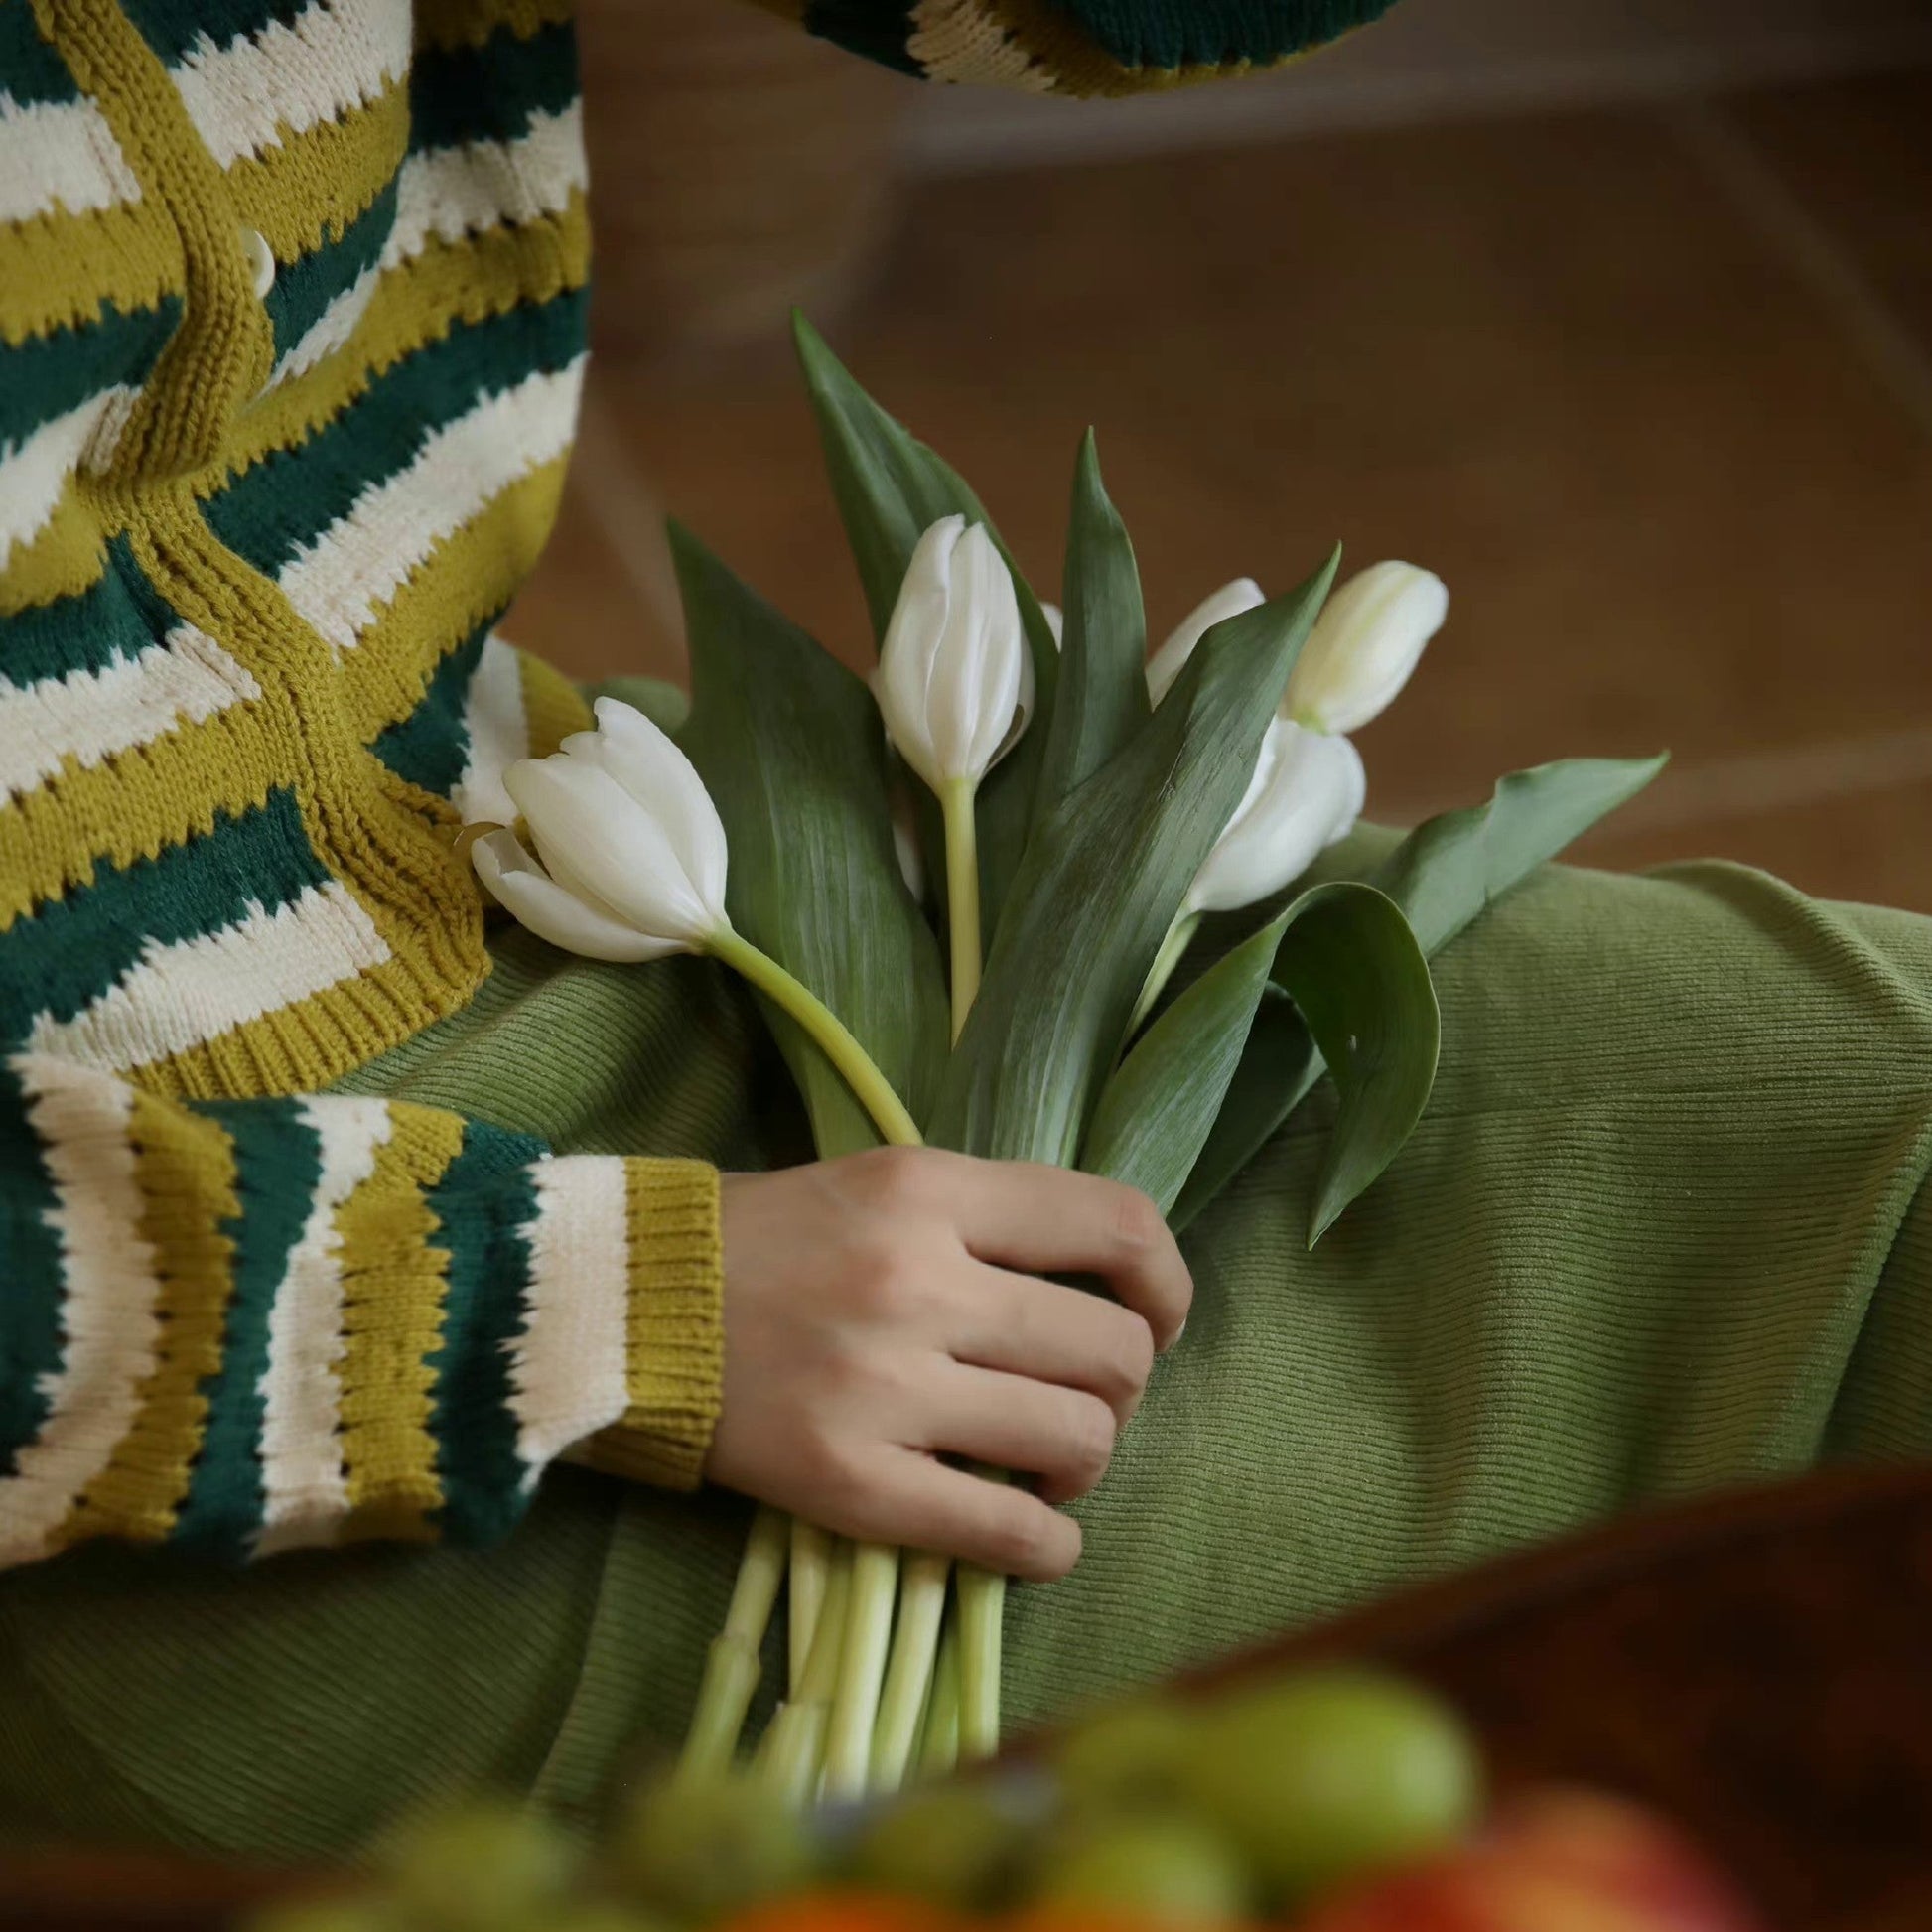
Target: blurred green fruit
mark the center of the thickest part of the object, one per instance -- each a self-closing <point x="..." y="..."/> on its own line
<point x="1332" y="1774"/>
<point x="484" y="1868"/>
<point x="1126" y="1756"/>
<point x="1175" y="1870"/>
<point x="363" y="1913"/>
<point x="702" y="1851"/>
<point x="951" y="1844"/>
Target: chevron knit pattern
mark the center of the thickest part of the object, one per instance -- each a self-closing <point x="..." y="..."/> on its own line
<point x="291" y="336"/>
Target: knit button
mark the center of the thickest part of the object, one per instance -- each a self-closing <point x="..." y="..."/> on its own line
<point x="261" y="262"/>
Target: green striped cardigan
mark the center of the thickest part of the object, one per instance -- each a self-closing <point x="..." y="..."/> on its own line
<point x="292" y="302"/>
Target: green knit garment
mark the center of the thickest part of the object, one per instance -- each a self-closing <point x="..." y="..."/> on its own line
<point x="1661" y="1228"/>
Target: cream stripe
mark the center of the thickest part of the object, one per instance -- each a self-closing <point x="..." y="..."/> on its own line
<point x="360" y="561"/>
<point x="34" y="472"/>
<point x="112" y="1285"/>
<point x="336" y="56"/>
<point x="89" y="716"/>
<point x="329" y="329"/>
<point x="305" y="1492"/>
<point x="567" y="1369"/>
<point x="449" y="193"/>
<point x="184" y="995"/>
<point x="958" y="41"/>
<point x="498" y="734"/>
<point x="59" y="155"/>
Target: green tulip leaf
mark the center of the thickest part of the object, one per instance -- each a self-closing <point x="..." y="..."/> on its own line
<point x="1447" y="870"/>
<point x="1154" y="1115"/>
<point x="1361" y="984"/>
<point x="889" y="490"/>
<point x="1101" y="697"/>
<point x="788" y="743"/>
<point x="1098" y="886"/>
<point x="1441" y="876"/>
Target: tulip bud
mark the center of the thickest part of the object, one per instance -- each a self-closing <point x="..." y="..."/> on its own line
<point x="1308" y="790"/>
<point x="1244" y="594"/>
<point x="630" y="856"/>
<point x="1365" y="644"/>
<point x="954" y="681"/>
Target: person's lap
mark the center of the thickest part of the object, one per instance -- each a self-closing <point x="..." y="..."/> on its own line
<point x="1660" y="1229"/>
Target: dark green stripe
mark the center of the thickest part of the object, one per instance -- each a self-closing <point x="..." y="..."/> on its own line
<point x="46" y="375"/>
<point x="305" y="288"/>
<point x="285" y="502"/>
<point x="30" y="69"/>
<point x="74" y="949"/>
<point x="878" y="31"/>
<point x="172" y="29"/>
<point x="31" y="1279"/>
<point x="484" y="1205"/>
<point x="1159" y="34"/>
<point x="489" y="92"/>
<point x="428" y="748"/>
<point x="278" y="1165"/>
<point x="116" y="616"/>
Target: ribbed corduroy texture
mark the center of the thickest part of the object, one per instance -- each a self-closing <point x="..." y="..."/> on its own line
<point x="1663" y="1227"/>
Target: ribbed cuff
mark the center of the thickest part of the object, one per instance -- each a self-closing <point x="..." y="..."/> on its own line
<point x="675" y="1338"/>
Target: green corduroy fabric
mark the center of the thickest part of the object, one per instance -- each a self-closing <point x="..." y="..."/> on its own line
<point x="1663" y="1227"/>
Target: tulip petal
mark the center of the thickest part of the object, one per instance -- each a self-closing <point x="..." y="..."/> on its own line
<point x="597" y="840"/>
<point x="522" y="886"/>
<point x="907" y="656"/>
<point x="1307" y="784"/>
<point x="1243" y="593"/>
<point x="1366" y="645"/>
<point x="652" y="768"/>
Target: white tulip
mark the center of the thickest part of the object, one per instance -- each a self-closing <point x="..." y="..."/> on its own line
<point x="1369" y="637"/>
<point x="1244" y="594"/>
<point x="954" y="682"/>
<point x="1056" y="622"/>
<point x="1308" y="790"/>
<point x="630" y="856"/>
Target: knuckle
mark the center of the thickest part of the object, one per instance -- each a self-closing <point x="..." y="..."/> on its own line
<point x="1089" y="1438"/>
<point x="1035" y="1541"/>
<point x="875" y="1279"/>
<point x="1137" y="1223"/>
<point x="889" y="1177"/>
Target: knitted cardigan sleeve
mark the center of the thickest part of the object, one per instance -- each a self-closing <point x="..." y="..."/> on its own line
<point x="251" y="1324"/>
<point x="1080" y="46"/>
<point x="291" y="332"/>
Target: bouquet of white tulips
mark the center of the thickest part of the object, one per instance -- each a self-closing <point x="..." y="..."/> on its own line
<point x="1085" y="829"/>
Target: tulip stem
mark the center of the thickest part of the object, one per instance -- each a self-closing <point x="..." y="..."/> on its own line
<point x="811" y="1561"/>
<point x="908" y="1676"/>
<point x="833" y="1037"/>
<point x="939" y="1736"/>
<point x="1174" y="949"/>
<point x="732" y="1667"/>
<point x="862" y="1670"/>
<point x="982" y="1614"/>
<point x="962" y="894"/>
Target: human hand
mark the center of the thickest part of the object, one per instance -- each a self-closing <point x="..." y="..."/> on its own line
<point x="873" y="1324"/>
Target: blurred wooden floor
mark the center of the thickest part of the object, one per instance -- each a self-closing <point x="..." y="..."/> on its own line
<point x="1652" y="389"/>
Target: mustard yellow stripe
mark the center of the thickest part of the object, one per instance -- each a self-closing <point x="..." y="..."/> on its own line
<point x="394" y="1279"/>
<point x="415" y="304"/>
<point x="63" y="560"/>
<point x="130" y="808"/>
<point x="469" y="575"/>
<point x="309" y="187"/>
<point x="309" y="1045"/>
<point x="553" y="707"/>
<point x="225" y="347"/>
<point x="57" y="269"/>
<point x="674" y="1343"/>
<point x="185" y="1168"/>
<point x="469" y="23"/>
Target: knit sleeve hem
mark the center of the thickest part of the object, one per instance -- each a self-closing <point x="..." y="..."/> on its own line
<point x="674" y="1339"/>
